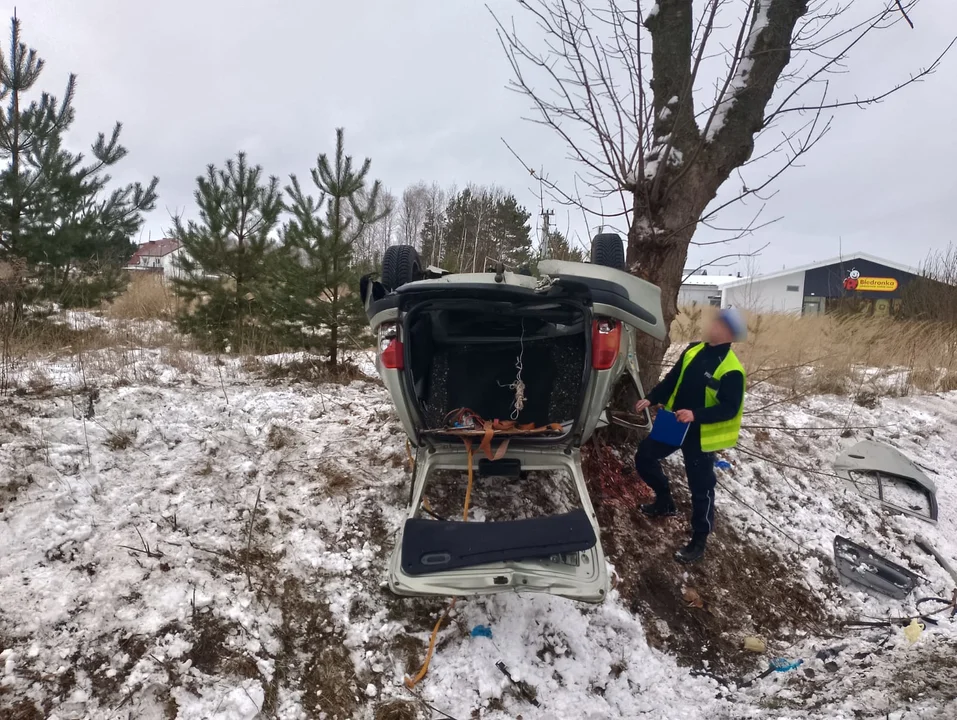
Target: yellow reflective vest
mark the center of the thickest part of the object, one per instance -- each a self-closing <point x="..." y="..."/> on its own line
<point x="719" y="435"/>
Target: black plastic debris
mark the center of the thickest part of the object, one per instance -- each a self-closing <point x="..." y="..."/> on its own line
<point x="521" y="685"/>
<point x="864" y="567"/>
<point x="830" y="652"/>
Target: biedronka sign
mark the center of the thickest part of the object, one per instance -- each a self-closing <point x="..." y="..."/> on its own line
<point x="877" y="284"/>
<point x="854" y="282"/>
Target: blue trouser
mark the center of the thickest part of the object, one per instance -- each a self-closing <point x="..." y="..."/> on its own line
<point x="699" y="467"/>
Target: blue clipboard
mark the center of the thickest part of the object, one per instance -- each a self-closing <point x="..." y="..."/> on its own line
<point x="668" y="429"/>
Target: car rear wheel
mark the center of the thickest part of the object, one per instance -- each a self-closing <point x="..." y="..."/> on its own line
<point x="607" y="250"/>
<point x="400" y="266"/>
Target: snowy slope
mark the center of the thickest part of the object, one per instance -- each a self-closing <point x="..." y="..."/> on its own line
<point x="193" y="540"/>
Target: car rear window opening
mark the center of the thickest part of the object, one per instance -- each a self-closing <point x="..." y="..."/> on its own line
<point x="474" y="358"/>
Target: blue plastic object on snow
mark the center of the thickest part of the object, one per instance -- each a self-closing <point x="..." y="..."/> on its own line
<point x="722" y="464"/>
<point x="781" y="665"/>
<point x="482" y="631"/>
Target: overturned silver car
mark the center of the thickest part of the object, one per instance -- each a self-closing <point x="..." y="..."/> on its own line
<point x="502" y="374"/>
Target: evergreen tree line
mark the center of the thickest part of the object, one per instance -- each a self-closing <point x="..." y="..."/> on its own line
<point x="465" y="230"/>
<point x="268" y="267"/>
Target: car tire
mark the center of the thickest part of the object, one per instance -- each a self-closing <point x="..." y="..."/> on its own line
<point x="400" y="266"/>
<point x="607" y="250"/>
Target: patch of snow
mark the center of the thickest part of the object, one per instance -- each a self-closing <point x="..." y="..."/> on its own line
<point x="101" y="545"/>
<point x="739" y="81"/>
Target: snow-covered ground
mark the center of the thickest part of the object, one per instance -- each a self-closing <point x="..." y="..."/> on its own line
<point x="189" y="537"/>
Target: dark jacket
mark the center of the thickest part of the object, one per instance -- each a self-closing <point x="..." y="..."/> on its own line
<point x="691" y="393"/>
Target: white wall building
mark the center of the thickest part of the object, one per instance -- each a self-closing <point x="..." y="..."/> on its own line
<point x="781" y="292"/>
<point x="699" y="289"/>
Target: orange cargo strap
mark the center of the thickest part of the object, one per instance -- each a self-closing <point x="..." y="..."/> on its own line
<point x="486" y="445"/>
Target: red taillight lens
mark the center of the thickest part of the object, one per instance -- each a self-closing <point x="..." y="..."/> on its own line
<point x="393" y="357"/>
<point x="391" y="350"/>
<point x="605" y="341"/>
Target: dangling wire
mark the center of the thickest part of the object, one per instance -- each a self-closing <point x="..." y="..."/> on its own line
<point x="519" y="385"/>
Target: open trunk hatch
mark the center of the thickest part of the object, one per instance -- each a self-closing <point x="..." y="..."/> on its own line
<point x="534" y="533"/>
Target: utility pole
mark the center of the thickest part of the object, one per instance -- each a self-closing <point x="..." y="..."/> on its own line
<point x="546" y="244"/>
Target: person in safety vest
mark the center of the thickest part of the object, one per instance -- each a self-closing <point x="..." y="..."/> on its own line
<point x="705" y="389"/>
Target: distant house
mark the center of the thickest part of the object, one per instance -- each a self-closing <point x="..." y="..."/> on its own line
<point x="703" y="289"/>
<point x="157" y="256"/>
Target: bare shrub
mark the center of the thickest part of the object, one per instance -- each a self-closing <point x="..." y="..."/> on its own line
<point x="396" y="710"/>
<point x="948" y="383"/>
<point x="308" y="370"/>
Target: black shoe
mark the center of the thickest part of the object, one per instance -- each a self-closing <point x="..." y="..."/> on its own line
<point x="693" y="551"/>
<point x="659" y="510"/>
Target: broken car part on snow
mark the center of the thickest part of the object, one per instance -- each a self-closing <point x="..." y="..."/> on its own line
<point x="885" y="475"/>
<point x="864" y="567"/>
<point x="526" y="364"/>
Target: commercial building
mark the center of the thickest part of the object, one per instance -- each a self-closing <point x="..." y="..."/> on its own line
<point x="862" y="282"/>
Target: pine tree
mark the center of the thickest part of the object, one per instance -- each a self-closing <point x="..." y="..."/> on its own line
<point x="230" y="264"/>
<point x="321" y="300"/>
<point x="478" y="224"/>
<point x="559" y="248"/>
<point x="511" y="235"/>
<point x="57" y="225"/>
<point x="460" y="224"/>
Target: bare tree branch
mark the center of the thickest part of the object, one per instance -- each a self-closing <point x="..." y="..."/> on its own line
<point x="904" y="13"/>
<point x="731" y="256"/>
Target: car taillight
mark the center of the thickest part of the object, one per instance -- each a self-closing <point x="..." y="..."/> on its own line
<point x="605" y="341"/>
<point x="390" y="348"/>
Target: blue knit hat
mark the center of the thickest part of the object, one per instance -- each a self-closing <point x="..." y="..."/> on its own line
<point x="735" y="322"/>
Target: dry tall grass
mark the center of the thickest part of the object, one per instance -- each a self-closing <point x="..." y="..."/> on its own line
<point x="840" y="354"/>
<point x="148" y="297"/>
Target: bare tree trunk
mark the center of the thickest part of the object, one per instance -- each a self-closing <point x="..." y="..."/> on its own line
<point x="659" y="262"/>
<point x="464" y="242"/>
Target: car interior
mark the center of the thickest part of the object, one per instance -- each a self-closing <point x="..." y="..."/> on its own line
<point x="469" y="355"/>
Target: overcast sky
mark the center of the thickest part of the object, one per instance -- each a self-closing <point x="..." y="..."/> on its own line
<point x="420" y="87"/>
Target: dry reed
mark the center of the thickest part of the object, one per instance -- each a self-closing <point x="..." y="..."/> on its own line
<point x="840" y="354"/>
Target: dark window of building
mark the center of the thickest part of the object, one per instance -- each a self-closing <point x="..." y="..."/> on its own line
<point x="794" y="288"/>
